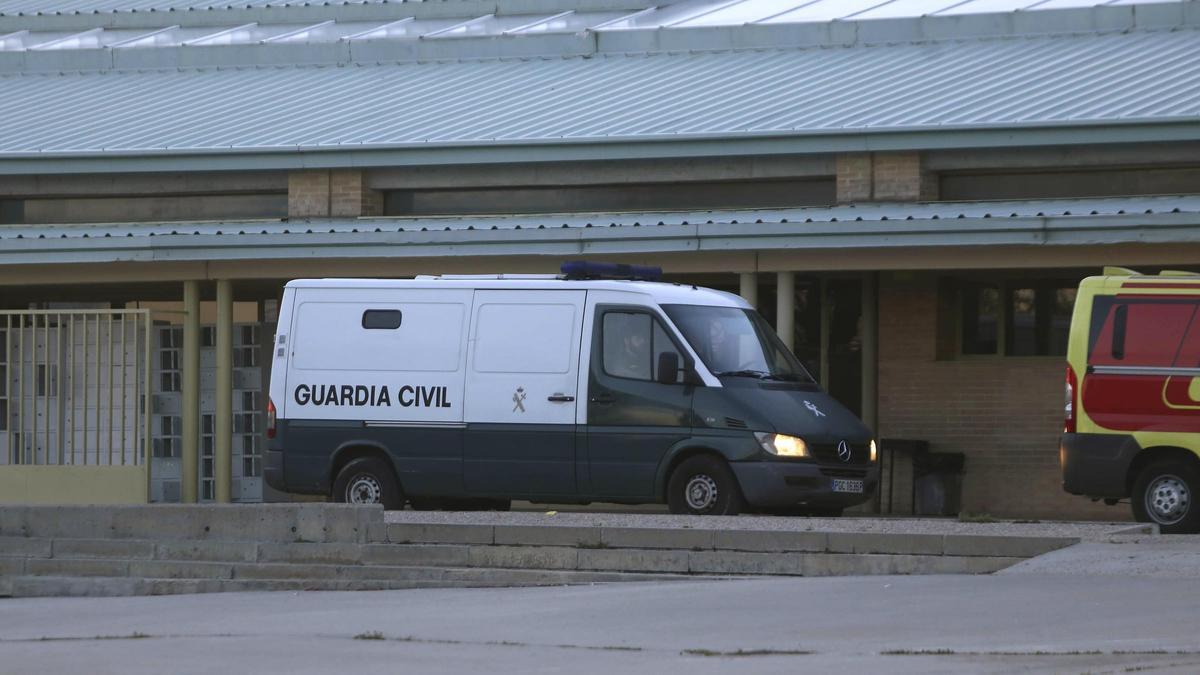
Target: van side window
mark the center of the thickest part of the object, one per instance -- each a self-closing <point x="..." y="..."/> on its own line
<point x="381" y="319"/>
<point x="1152" y="336"/>
<point x="632" y="342"/>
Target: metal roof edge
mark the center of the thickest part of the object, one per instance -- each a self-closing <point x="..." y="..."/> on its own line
<point x="1051" y="229"/>
<point x="315" y="12"/>
<point x="1043" y="23"/>
<point x="425" y="154"/>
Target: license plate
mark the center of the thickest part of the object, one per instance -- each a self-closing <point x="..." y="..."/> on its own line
<point x="847" y="485"/>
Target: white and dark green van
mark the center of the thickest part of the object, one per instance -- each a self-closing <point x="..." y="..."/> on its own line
<point x="474" y="391"/>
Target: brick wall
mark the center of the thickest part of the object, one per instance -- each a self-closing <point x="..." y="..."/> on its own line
<point x="1004" y="414"/>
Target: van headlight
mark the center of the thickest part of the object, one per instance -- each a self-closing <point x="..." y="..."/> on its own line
<point x="874" y="451"/>
<point x="781" y="445"/>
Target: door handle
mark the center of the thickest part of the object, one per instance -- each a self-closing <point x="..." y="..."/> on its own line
<point x="560" y="398"/>
<point x="603" y="399"/>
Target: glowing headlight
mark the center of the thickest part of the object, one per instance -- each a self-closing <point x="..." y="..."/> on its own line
<point x="784" y="446"/>
<point x="874" y="451"/>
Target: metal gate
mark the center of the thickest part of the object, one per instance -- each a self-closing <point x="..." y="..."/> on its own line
<point x="74" y="409"/>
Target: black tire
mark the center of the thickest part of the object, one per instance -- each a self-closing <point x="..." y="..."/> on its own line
<point x="368" y="480"/>
<point x="714" y="491"/>
<point x="1165" y="493"/>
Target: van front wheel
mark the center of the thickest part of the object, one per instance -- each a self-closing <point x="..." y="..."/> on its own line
<point x="704" y="486"/>
<point x="368" y="480"/>
<point x="1165" y="493"/>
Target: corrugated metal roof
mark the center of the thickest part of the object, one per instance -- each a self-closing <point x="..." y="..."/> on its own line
<point x="719" y="12"/>
<point x="1168" y="219"/>
<point x="1004" y="83"/>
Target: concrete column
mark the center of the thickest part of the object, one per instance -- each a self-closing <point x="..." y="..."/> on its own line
<point x="190" y="381"/>
<point x="749" y="287"/>
<point x="223" y="427"/>
<point x="870" y="350"/>
<point x="785" y="308"/>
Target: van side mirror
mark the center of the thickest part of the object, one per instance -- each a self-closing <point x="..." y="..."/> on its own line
<point x="668" y="368"/>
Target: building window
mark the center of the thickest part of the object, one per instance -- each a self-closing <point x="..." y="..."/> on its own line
<point x="1015" y="317"/>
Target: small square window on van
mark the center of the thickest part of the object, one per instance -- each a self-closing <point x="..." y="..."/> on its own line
<point x="381" y="319"/>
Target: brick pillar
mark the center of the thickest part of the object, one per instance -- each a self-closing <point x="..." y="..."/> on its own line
<point x="854" y="180"/>
<point x="350" y="196"/>
<point x="338" y="193"/>
<point x="885" y="177"/>
<point x="308" y="194"/>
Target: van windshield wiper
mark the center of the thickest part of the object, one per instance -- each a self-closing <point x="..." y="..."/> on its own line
<point x="760" y="374"/>
<point x="763" y="375"/>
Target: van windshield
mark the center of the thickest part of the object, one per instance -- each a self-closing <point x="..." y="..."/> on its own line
<point x="736" y="342"/>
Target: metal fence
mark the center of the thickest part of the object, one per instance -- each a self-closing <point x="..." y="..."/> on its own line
<point x="74" y="387"/>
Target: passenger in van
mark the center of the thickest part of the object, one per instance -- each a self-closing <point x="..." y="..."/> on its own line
<point x="633" y="360"/>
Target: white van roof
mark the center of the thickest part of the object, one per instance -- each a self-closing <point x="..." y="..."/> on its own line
<point x="661" y="292"/>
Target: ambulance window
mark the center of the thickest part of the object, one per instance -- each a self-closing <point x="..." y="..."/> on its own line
<point x="1152" y="335"/>
<point x="381" y="319"/>
<point x="1189" y="351"/>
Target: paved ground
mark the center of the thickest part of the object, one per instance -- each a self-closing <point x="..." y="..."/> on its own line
<point x="1028" y="622"/>
<point x="1167" y="557"/>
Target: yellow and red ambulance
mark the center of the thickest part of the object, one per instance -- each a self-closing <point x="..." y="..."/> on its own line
<point x="1133" y="396"/>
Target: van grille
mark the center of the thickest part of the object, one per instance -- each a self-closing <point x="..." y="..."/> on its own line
<point x="827" y="453"/>
<point x="735" y="423"/>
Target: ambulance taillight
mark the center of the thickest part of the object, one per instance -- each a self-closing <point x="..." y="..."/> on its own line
<point x="1069" y="423"/>
<point x="270" y="418"/>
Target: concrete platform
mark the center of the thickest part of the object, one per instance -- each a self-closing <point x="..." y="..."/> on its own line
<point x="286" y="546"/>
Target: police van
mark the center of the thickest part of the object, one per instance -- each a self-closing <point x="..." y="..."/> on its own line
<point x="594" y="385"/>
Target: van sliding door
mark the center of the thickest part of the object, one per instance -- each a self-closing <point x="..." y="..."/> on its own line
<point x="522" y="376"/>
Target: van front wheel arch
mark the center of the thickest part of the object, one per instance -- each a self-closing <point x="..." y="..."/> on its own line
<point x="368" y="480"/>
<point x="704" y="485"/>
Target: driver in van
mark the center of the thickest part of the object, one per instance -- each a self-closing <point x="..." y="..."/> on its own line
<point x="722" y="351"/>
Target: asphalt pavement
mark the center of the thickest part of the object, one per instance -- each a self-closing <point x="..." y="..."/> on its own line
<point x="1026" y="622"/>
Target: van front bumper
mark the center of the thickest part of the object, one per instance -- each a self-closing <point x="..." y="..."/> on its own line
<point x="784" y="484"/>
<point x="1097" y="465"/>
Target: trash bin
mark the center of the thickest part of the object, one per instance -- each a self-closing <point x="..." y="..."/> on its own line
<point x="937" y="477"/>
<point x="897" y="458"/>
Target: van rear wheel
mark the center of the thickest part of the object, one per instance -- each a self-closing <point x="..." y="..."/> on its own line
<point x="704" y="486"/>
<point x="1165" y="493"/>
<point x="368" y="480"/>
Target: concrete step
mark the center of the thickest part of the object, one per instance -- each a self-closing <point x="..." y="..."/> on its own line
<point x="47" y="586"/>
<point x="277" y="523"/>
<point x="766" y="541"/>
<point x="523" y="565"/>
<point x="174" y="569"/>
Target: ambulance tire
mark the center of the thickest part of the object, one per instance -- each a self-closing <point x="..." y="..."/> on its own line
<point x="704" y="486"/>
<point x="1165" y="493"/>
<point x="368" y="480"/>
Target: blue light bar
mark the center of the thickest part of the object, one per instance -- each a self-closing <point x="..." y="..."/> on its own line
<point x="581" y="269"/>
